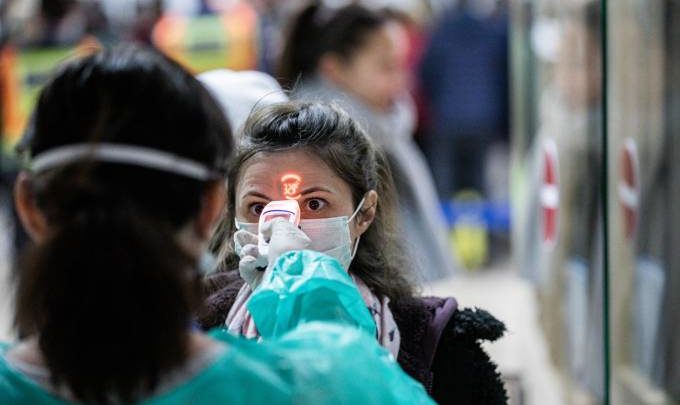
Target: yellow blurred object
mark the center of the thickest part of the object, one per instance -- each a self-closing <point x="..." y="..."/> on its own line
<point x="469" y="236"/>
<point x="227" y="39"/>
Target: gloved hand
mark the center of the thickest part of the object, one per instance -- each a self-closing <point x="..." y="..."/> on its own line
<point x="283" y="237"/>
<point x="252" y="265"/>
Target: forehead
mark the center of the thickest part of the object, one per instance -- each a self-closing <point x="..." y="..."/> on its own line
<point x="389" y="35"/>
<point x="268" y="171"/>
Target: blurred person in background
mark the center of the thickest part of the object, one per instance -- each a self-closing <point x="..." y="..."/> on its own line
<point x="132" y="20"/>
<point x="355" y="57"/>
<point x="66" y="22"/>
<point x="464" y="76"/>
<point x="273" y="15"/>
<point x="123" y="184"/>
<point x="147" y="15"/>
<point x="416" y="18"/>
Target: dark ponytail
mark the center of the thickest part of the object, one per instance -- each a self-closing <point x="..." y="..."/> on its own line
<point x="317" y="30"/>
<point x="110" y="291"/>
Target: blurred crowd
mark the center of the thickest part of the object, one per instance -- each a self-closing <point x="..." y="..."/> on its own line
<point x="399" y="66"/>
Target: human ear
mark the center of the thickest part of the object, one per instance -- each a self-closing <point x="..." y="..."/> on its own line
<point x="367" y="213"/>
<point x="32" y="219"/>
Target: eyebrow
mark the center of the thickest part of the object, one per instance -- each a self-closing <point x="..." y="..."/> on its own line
<point x="256" y="194"/>
<point x="314" y="189"/>
<point x="304" y="192"/>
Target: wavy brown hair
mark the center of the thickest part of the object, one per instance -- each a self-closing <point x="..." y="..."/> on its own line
<point x="329" y="133"/>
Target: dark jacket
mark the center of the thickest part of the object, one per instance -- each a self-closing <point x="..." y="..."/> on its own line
<point x="464" y="75"/>
<point x="440" y="343"/>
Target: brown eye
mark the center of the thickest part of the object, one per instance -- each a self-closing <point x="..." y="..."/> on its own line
<point x="256" y="209"/>
<point x="315" y="204"/>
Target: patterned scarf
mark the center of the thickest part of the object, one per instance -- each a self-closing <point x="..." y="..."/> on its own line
<point x="239" y="320"/>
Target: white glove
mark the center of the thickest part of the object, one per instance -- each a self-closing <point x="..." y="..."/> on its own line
<point x="283" y="237"/>
<point x="251" y="266"/>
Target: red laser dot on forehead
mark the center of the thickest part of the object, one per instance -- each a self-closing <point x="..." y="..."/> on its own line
<point x="290" y="184"/>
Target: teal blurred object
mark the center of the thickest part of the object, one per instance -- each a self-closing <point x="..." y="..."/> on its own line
<point x="325" y="351"/>
<point x="324" y="363"/>
<point x="307" y="286"/>
<point x="310" y="312"/>
<point x="318" y="363"/>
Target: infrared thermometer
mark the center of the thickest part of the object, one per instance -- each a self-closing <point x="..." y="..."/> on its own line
<point x="286" y="209"/>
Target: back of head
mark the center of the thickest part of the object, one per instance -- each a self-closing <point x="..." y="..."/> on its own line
<point x="109" y="292"/>
<point x="318" y="30"/>
<point x="329" y="133"/>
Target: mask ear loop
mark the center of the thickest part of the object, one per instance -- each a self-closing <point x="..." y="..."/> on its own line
<point x="354" y="214"/>
<point x="356" y="211"/>
<point x="356" y="247"/>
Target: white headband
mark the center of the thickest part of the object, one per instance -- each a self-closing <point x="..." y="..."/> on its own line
<point x="125" y="154"/>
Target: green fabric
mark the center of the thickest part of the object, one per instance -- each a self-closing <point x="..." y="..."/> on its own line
<point x="317" y="362"/>
<point x="225" y="380"/>
<point x="306" y="286"/>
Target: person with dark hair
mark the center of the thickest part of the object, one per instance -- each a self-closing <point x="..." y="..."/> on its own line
<point x="464" y="73"/>
<point x="348" y="206"/>
<point x="464" y="77"/>
<point x="125" y="179"/>
<point x="355" y="57"/>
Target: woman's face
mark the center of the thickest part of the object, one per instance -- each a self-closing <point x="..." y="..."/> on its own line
<point x="376" y="73"/>
<point x="296" y="175"/>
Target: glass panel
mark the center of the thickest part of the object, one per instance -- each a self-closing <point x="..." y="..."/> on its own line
<point x="557" y="241"/>
<point x="644" y="174"/>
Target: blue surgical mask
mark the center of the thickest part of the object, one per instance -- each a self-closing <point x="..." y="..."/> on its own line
<point x="330" y="236"/>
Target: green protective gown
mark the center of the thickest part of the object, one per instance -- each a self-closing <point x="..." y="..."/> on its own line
<point x="317" y="348"/>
